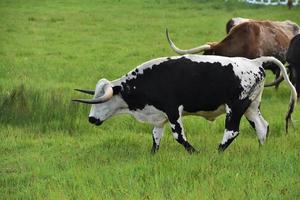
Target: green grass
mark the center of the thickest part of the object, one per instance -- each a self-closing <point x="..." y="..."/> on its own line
<point x="49" y="151"/>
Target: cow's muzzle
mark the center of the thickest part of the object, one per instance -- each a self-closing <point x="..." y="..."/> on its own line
<point x="95" y="121"/>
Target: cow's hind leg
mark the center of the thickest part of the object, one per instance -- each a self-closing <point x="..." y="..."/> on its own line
<point x="175" y="119"/>
<point x="157" y="133"/>
<point x="257" y="121"/>
<point x="277" y="74"/>
<point x="234" y="114"/>
<point x="295" y="77"/>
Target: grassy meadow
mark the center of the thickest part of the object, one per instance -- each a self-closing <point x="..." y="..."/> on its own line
<point x="48" y="150"/>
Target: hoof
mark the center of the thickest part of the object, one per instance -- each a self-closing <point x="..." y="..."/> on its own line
<point x="192" y="150"/>
<point x="154" y="149"/>
<point x="221" y="148"/>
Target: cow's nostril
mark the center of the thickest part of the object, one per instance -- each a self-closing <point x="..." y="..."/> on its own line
<point x="98" y="122"/>
<point x="92" y="120"/>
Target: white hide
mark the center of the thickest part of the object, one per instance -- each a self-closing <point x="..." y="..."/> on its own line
<point x="229" y="135"/>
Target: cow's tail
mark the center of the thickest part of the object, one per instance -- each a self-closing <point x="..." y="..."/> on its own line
<point x="293" y="98"/>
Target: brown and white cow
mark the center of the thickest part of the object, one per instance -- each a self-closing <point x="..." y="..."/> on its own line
<point x="251" y="39"/>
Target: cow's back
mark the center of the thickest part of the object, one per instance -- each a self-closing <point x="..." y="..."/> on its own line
<point x="253" y="39"/>
<point x="290" y="28"/>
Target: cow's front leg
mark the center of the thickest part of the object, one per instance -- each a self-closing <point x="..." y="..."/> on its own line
<point x="232" y="123"/>
<point x="175" y="120"/>
<point x="157" y="133"/>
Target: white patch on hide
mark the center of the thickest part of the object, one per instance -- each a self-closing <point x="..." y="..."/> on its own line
<point x="228" y="135"/>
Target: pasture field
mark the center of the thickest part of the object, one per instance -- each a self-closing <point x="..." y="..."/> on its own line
<point x="48" y="150"/>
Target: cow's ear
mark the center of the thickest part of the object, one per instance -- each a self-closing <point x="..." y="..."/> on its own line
<point x="117" y="89"/>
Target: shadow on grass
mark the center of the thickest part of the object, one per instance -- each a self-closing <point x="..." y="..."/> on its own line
<point x="42" y="111"/>
<point x="112" y="150"/>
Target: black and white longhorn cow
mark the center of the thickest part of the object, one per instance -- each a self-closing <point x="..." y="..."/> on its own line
<point x="165" y="89"/>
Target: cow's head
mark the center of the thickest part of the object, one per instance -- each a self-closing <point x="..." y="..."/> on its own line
<point x="105" y="103"/>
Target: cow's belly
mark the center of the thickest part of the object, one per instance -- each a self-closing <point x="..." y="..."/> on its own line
<point x="209" y="115"/>
<point x="149" y="114"/>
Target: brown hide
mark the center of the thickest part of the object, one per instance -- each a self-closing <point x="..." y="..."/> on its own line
<point x="253" y="39"/>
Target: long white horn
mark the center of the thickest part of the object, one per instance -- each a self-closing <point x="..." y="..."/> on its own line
<point x="87" y="101"/>
<point x="91" y="92"/>
<point x="187" y="51"/>
<point x="278" y="80"/>
<point x="108" y="93"/>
